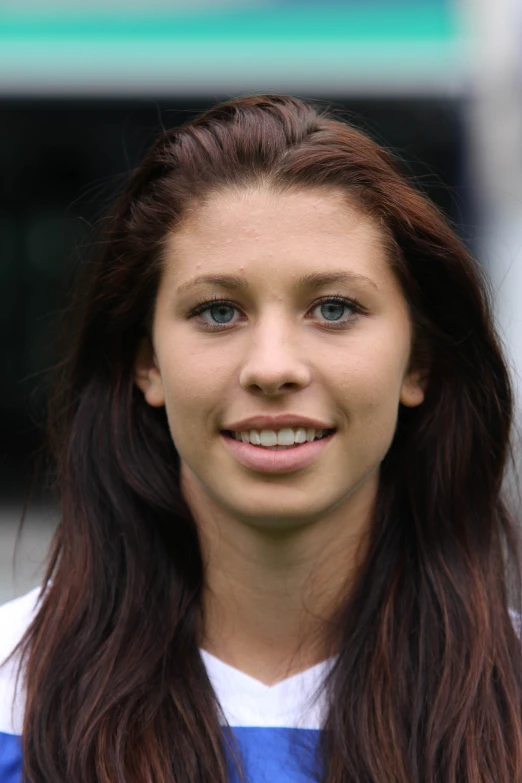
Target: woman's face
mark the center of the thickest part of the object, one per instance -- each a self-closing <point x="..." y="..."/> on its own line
<point x="279" y="345"/>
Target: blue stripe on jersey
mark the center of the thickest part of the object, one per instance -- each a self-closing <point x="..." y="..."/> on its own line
<point x="277" y="755"/>
<point x="10" y="758"/>
<point x="268" y="755"/>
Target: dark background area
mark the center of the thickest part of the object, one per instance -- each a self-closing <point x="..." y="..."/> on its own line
<point x="61" y="165"/>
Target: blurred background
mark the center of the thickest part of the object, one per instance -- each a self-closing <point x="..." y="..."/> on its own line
<point x="85" y="88"/>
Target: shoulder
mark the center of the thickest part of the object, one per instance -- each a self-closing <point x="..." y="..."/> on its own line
<point x="15" y="618"/>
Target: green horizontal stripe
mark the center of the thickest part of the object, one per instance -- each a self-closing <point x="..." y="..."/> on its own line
<point x="389" y="21"/>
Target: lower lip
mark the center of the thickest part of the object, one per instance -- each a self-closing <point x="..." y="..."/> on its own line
<point x="268" y="461"/>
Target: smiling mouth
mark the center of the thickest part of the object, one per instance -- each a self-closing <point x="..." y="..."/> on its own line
<point x="326" y="434"/>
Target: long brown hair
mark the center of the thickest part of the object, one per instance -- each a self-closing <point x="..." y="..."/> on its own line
<point x="428" y="683"/>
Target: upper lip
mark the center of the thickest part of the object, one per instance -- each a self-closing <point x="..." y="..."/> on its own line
<point x="276" y="423"/>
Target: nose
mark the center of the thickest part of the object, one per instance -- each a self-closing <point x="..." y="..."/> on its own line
<point x="274" y="360"/>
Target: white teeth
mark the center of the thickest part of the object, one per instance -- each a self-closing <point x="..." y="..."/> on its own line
<point x="300" y="435"/>
<point x="283" y="437"/>
<point x="269" y="438"/>
<point x="255" y="438"/>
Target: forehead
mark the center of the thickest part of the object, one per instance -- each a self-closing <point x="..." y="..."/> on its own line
<point x="254" y="229"/>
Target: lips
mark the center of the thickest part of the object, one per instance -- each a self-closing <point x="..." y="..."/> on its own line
<point x="287" y="460"/>
<point x="276" y="422"/>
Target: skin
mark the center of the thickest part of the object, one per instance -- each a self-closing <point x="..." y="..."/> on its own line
<point x="279" y="549"/>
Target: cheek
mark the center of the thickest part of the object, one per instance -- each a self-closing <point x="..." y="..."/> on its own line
<point x="189" y="371"/>
<point x="193" y="387"/>
<point x="370" y="388"/>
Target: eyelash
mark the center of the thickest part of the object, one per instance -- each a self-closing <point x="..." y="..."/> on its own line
<point x="214" y="301"/>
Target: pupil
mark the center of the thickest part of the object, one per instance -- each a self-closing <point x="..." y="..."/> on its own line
<point x="339" y="307"/>
<point x="221" y="309"/>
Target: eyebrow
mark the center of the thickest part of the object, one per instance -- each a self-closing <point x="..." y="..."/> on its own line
<point x="310" y="281"/>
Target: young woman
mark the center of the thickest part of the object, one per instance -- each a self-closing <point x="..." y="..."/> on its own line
<point x="279" y="436"/>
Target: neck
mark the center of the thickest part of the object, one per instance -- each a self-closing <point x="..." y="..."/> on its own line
<point x="269" y="594"/>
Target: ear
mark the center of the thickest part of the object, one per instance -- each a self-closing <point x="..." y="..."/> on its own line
<point x="147" y="375"/>
<point x="413" y="389"/>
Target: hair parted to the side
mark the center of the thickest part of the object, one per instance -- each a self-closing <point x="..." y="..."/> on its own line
<point x="428" y="682"/>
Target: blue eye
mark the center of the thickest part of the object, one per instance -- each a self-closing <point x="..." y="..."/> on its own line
<point x="332" y="308"/>
<point x="336" y="307"/>
<point x="219" y="310"/>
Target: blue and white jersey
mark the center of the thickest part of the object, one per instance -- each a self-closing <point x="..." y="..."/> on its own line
<point x="276" y="727"/>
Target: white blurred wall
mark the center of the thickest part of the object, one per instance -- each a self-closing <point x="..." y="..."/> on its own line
<point x="494" y="114"/>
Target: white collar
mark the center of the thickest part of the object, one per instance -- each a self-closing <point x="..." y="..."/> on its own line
<point x="295" y="702"/>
